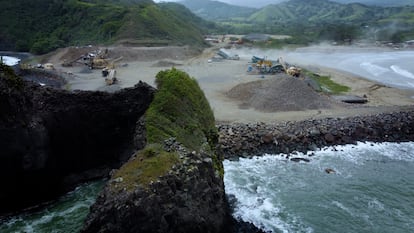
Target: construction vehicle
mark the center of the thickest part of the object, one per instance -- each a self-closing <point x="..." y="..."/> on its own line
<point x="291" y="70"/>
<point x="225" y="55"/>
<point x="109" y="72"/>
<point x="264" y="66"/>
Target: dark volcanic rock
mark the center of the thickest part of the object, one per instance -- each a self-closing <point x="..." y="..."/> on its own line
<point x="189" y="198"/>
<point x="310" y="135"/>
<point x="52" y="139"/>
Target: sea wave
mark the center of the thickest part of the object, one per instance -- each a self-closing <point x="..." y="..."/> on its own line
<point x="10" y="61"/>
<point x="279" y="195"/>
<point x="402" y="72"/>
<point x="374" y="69"/>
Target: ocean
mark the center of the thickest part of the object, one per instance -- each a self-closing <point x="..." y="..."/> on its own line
<point x="10" y="61"/>
<point x="371" y="190"/>
<point x="65" y="215"/>
<point x="390" y="67"/>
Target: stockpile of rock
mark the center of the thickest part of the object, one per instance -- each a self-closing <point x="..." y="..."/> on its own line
<point x="283" y="93"/>
<point x="244" y="140"/>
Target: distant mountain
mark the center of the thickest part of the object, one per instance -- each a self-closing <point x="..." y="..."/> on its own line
<point x="325" y="11"/>
<point x="379" y="2"/>
<point x="263" y="3"/>
<point x="41" y="26"/>
<point x="215" y="10"/>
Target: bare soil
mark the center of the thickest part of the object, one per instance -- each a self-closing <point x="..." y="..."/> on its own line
<point x="234" y="95"/>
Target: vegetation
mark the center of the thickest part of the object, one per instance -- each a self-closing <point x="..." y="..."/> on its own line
<point x="310" y="23"/>
<point x="42" y="26"/>
<point x="327" y="85"/>
<point x="7" y="74"/>
<point x="217" y="11"/>
<point x="181" y="111"/>
<point x="147" y="166"/>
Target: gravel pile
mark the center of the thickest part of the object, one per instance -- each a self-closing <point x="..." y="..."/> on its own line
<point x="282" y="93"/>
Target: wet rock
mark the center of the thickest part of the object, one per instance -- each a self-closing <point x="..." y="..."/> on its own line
<point x="267" y="138"/>
<point x="309" y="135"/>
<point x="51" y="140"/>
<point x="329" y="138"/>
<point x="299" y="160"/>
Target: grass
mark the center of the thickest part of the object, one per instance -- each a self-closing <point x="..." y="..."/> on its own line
<point x="147" y="166"/>
<point x="327" y="85"/>
<point x="179" y="110"/>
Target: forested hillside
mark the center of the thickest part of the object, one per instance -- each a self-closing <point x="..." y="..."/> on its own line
<point x="41" y="26"/>
<point x="311" y="21"/>
<point x="215" y="10"/>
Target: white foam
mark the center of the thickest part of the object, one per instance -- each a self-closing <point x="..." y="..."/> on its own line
<point x="10" y="61"/>
<point x="374" y="69"/>
<point x="402" y="72"/>
<point x="259" y="199"/>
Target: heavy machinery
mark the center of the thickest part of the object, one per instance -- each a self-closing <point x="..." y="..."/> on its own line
<point x="109" y="72"/>
<point x="291" y="70"/>
<point x="263" y="66"/>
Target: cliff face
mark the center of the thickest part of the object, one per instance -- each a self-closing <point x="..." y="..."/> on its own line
<point x="175" y="183"/>
<point x="189" y="197"/>
<point x="52" y="139"/>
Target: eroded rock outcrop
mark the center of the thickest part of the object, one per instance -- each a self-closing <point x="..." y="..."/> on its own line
<point x="53" y="139"/>
<point x="175" y="184"/>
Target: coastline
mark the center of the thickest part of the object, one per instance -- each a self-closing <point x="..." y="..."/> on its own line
<point x="247" y="140"/>
<point x="217" y="78"/>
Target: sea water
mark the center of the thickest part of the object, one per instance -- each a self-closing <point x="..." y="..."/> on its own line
<point x="372" y="190"/>
<point x="10" y="61"/>
<point x="64" y="216"/>
<point x="390" y="67"/>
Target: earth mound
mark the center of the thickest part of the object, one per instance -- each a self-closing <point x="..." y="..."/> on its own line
<point x="283" y="93"/>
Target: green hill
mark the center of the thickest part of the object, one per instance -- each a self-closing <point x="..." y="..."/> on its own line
<point x="215" y="10"/>
<point x="41" y="26"/>
<point x="311" y="22"/>
<point x="322" y="11"/>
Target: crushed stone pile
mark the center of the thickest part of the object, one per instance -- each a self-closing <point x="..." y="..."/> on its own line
<point x="282" y="93"/>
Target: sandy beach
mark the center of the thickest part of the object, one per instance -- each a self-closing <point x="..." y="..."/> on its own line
<point x="217" y="78"/>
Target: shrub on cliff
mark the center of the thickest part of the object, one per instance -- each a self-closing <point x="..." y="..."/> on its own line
<point x="7" y="75"/>
<point x="180" y="110"/>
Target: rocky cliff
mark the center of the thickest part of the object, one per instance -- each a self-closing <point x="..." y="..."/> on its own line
<point x="175" y="184"/>
<point x="52" y="139"/>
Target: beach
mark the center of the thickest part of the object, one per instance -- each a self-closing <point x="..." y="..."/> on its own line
<point x="217" y="78"/>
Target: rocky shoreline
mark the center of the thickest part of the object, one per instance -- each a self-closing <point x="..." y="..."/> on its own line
<point x="253" y="139"/>
<point x="52" y="140"/>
